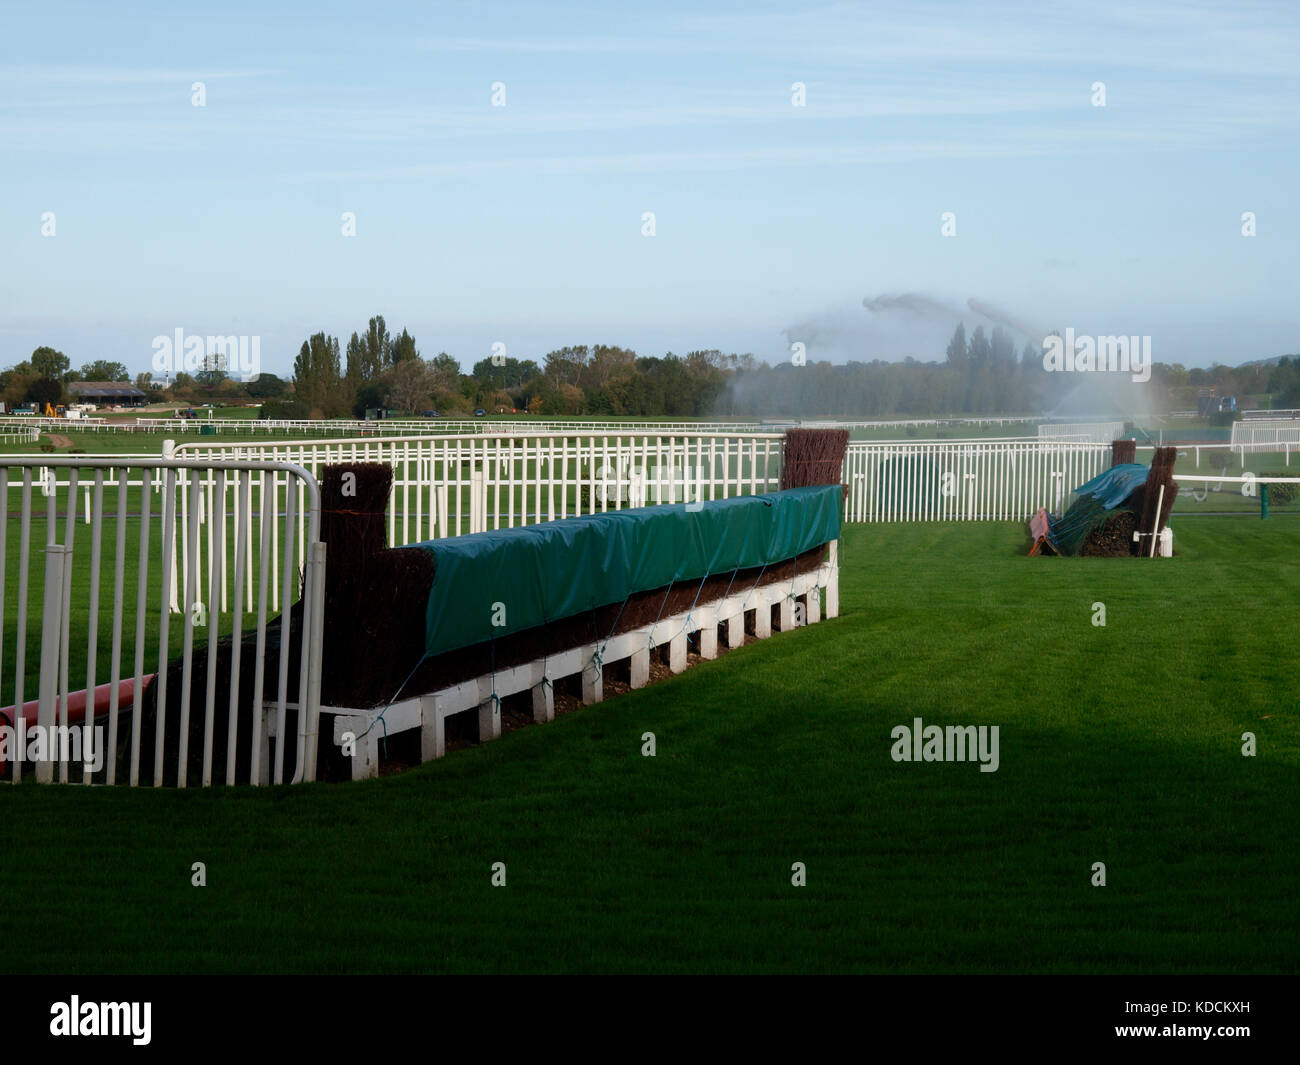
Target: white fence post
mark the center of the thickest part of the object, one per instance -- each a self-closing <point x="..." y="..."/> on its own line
<point x="51" y="647"/>
<point x="478" y="502"/>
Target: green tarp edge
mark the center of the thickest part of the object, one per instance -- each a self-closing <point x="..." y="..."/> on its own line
<point x="1111" y="487"/>
<point x="493" y="584"/>
<point x="1093" y="502"/>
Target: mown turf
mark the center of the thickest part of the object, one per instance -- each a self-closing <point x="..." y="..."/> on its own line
<point x="1119" y="745"/>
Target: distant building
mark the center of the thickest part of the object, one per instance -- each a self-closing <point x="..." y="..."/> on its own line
<point x="108" y="393"/>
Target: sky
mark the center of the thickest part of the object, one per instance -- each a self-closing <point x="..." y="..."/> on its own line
<point x="524" y="224"/>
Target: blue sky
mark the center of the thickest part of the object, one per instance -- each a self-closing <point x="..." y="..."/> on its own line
<point x="523" y="224"/>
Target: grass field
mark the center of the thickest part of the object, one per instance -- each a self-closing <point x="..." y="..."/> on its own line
<point x="1119" y="745"/>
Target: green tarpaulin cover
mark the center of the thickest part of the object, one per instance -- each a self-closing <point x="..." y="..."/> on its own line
<point x="541" y="573"/>
<point x="1093" y="503"/>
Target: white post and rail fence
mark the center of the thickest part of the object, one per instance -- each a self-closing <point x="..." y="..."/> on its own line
<point x="105" y="588"/>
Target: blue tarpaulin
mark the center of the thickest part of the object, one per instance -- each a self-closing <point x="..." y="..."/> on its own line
<point x="1092" y="503"/>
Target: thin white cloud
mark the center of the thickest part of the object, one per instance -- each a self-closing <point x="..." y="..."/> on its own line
<point x="1019" y="145"/>
<point x="1248" y="40"/>
<point x="1038" y="113"/>
<point x="68" y="75"/>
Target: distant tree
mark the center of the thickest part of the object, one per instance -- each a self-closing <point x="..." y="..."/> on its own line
<point x="406" y="386"/>
<point x="316" y="376"/>
<point x="509" y="373"/>
<point x="50" y="363"/>
<point x="44" y="390"/>
<point x="370" y="396"/>
<point x="606" y="361"/>
<point x="182" y="385"/>
<point x="403" y="349"/>
<point x="211" y="376"/>
<point x="16" y="382"/>
<point x="957" y="351"/>
<point x="1002" y="350"/>
<point x="268" y="386"/>
<point x="356" y="362"/>
<point x="565" y="365"/>
<point x="445" y="373"/>
<point x="285" y="410"/>
<point x="103" y="370"/>
<point x="377" y="346"/>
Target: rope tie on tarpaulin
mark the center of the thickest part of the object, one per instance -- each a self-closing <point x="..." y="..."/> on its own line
<point x="650" y="644"/>
<point x="687" y="621"/>
<point x="754" y="586"/>
<point x="545" y="682"/>
<point x="379" y="719"/>
<point x="494" y="699"/>
<point x="597" y="658"/>
<point x="731" y="582"/>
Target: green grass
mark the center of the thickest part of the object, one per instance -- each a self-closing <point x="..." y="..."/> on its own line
<point x="235" y="412"/>
<point x="1118" y="744"/>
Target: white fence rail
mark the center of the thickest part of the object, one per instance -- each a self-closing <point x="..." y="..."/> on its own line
<point x="1288" y="414"/>
<point x="451" y="485"/>
<point x="1266" y="433"/>
<point x="448" y="485"/>
<point x="965" y="480"/>
<point x="1082" y="432"/>
<point x="18" y="433"/>
<point x="38" y="423"/>
<point x="83" y="607"/>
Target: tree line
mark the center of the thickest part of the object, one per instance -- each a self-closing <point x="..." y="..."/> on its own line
<point x="979" y="374"/>
<point x="378" y="370"/>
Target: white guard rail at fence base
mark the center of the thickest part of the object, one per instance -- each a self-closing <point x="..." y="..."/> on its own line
<point x="90" y="588"/>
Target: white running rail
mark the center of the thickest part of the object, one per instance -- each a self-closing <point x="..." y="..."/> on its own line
<point x="114" y="586"/>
